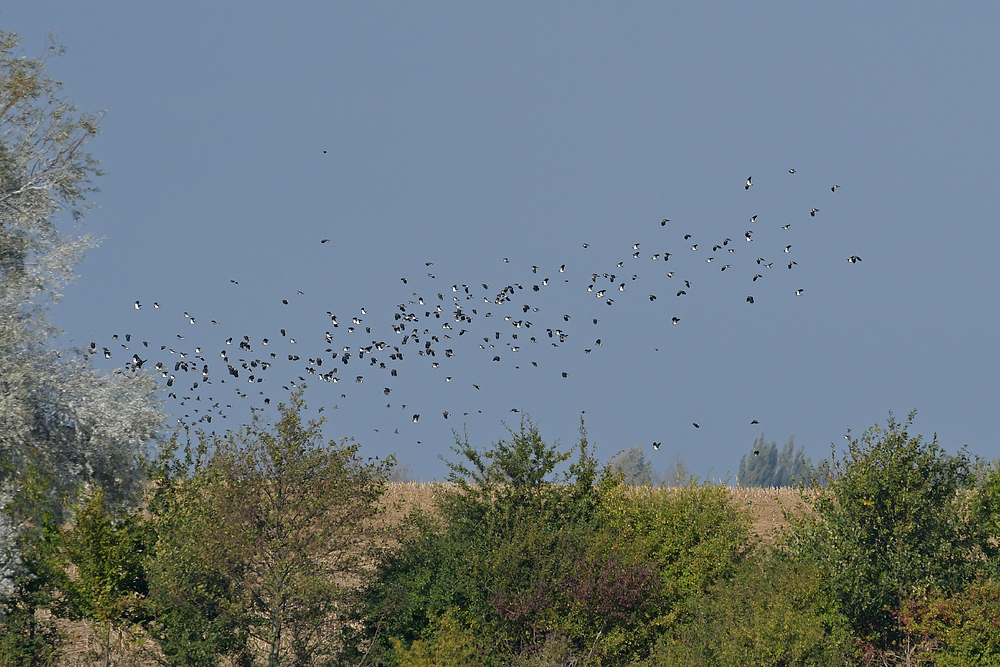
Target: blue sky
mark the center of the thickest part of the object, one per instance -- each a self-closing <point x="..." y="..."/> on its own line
<point x="239" y="136"/>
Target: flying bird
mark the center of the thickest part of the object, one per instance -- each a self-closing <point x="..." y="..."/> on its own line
<point x="813" y="212"/>
<point x="853" y="259"/>
<point x="749" y="182"/>
<point x="656" y="446"/>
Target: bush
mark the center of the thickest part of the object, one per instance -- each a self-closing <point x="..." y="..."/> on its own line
<point x="773" y="612"/>
<point x="957" y="630"/>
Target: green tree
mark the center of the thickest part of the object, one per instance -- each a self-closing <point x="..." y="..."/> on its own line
<point x="898" y="520"/>
<point x="768" y="467"/>
<point x="110" y="583"/>
<point x="282" y="525"/>
<point x="62" y="423"/>
<point x="497" y="555"/>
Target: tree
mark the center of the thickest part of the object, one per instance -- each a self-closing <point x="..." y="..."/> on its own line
<point x="107" y="553"/>
<point x="62" y="423"/>
<point x="633" y="466"/>
<point x="899" y="519"/>
<point x="497" y="556"/>
<point x="768" y="467"/>
<point x="280" y="527"/>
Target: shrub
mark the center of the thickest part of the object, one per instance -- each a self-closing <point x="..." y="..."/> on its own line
<point x="773" y="612"/>
<point x="956" y="630"/>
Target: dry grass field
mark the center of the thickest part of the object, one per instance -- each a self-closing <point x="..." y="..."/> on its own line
<point x="766" y="506"/>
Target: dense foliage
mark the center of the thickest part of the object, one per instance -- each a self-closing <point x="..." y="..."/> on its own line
<point x="64" y="427"/>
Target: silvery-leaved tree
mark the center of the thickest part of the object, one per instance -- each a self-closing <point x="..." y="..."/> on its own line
<point x="63" y="424"/>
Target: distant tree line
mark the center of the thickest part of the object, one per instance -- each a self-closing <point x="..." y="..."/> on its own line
<point x="767" y="466"/>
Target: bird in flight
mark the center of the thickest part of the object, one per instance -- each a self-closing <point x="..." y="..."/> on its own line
<point x="834" y="188"/>
<point x="656" y="446"/>
<point x="813" y="212"/>
<point x="749" y="182"/>
<point x="853" y="259"/>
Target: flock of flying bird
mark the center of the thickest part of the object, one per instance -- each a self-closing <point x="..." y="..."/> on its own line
<point x="439" y="328"/>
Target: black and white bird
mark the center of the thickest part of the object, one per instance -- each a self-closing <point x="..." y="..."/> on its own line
<point x="799" y="292"/>
<point x="138" y="306"/>
<point x="656" y="446"/>
<point x="749" y="299"/>
<point x="853" y="259"/>
<point x="813" y="212"/>
<point x="749" y="182"/>
<point x="834" y="188"/>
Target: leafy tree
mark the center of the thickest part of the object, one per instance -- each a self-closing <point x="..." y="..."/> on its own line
<point x="767" y="467"/>
<point x="279" y="527"/>
<point x="508" y="533"/>
<point x="897" y="521"/>
<point x="633" y="466"/>
<point x="62" y="423"/>
<point x="110" y="582"/>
